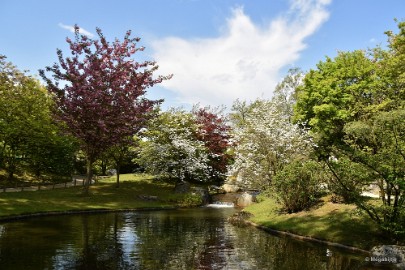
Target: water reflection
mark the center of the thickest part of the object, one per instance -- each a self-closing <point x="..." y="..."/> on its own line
<point x="181" y="239"/>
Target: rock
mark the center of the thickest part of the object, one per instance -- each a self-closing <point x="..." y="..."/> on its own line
<point x="388" y="254"/>
<point x="204" y="194"/>
<point x="226" y="197"/>
<point x="148" y="198"/>
<point x="182" y="187"/>
<point x="228" y="188"/>
<point x="244" y="200"/>
<point x="112" y="172"/>
<point x="239" y="218"/>
<point x="215" y="189"/>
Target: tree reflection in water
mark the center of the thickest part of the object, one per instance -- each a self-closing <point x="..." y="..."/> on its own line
<point x="180" y="239"/>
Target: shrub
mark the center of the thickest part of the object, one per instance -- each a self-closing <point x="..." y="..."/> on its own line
<point x="186" y="199"/>
<point x="298" y="185"/>
<point x="348" y="180"/>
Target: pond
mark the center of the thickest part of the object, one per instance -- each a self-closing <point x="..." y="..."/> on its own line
<point x="170" y="239"/>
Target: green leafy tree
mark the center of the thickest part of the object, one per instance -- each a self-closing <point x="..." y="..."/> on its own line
<point x="103" y="163"/>
<point x="354" y="107"/>
<point x="378" y="144"/>
<point x="334" y="94"/>
<point x="28" y="137"/>
<point x="348" y="179"/>
<point x="52" y="153"/>
<point x="122" y="153"/>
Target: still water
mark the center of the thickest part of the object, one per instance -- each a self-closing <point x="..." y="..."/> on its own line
<point x="175" y="239"/>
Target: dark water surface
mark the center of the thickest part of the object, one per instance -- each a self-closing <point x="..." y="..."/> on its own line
<point x="176" y="239"/>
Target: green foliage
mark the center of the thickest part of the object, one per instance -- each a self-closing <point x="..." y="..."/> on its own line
<point x="348" y="179"/>
<point x="354" y="107"/>
<point x="117" y="156"/>
<point x="79" y="163"/>
<point x="393" y="226"/>
<point x="186" y="200"/>
<point x="298" y="185"/>
<point x="101" y="165"/>
<point x="29" y="140"/>
<point x="379" y="145"/>
<point x="334" y="94"/>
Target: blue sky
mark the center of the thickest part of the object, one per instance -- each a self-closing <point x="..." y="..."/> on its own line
<point x="218" y="50"/>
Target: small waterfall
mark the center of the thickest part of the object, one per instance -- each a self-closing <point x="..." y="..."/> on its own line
<point x="237" y="199"/>
<point x="221" y="205"/>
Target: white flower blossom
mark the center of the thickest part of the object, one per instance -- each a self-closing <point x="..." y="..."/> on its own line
<point x="266" y="139"/>
<point x="172" y="150"/>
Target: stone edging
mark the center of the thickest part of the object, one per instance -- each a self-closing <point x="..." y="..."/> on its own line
<point x="78" y="212"/>
<point x="307" y="238"/>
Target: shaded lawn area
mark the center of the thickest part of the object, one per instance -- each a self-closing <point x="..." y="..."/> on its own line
<point x="340" y="223"/>
<point x="104" y="195"/>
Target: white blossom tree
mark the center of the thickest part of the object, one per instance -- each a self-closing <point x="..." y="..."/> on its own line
<point x="266" y="139"/>
<point x="170" y="147"/>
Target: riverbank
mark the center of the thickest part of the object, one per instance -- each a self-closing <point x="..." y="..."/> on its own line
<point x="137" y="191"/>
<point x="338" y="223"/>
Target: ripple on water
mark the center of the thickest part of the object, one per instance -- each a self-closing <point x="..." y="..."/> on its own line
<point x="176" y="239"/>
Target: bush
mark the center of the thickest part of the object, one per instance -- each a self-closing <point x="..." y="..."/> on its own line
<point x="298" y="185"/>
<point x="186" y="199"/>
<point x="348" y="180"/>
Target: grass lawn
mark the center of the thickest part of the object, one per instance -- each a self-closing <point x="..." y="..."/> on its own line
<point x="340" y="223"/>
<point x="104" y="195"/>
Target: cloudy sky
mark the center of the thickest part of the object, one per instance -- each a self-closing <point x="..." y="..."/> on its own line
<point x="218" y="50"/>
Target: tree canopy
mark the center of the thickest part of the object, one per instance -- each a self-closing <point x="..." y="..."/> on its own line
<point x="214" y="131"/>
<point x="100" y="91"/>
<point x="354" y="106"/>
<point x="170" y="147"/>
<point x="266" y="139"/>
<point x="28" y="136"/>
<point x="191" y="146"/>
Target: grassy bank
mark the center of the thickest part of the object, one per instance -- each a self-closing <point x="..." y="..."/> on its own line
<point x="133" y="193"/>
<point x="340" y="223"/>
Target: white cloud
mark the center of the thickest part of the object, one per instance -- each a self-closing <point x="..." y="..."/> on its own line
<point x="244" y="61"/>
<point x="71" y="28"/>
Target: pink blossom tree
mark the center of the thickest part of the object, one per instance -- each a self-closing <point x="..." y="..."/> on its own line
<point x="100" y="92"/>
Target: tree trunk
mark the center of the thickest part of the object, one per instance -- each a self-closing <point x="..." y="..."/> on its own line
<point x="11" y="176"/>
<point x="118" y="174"/>
<point x="88" y="176"/>
<point x="11" y="168"/>
<point x="103" y="166"/>
<point x="11" y="165"/>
